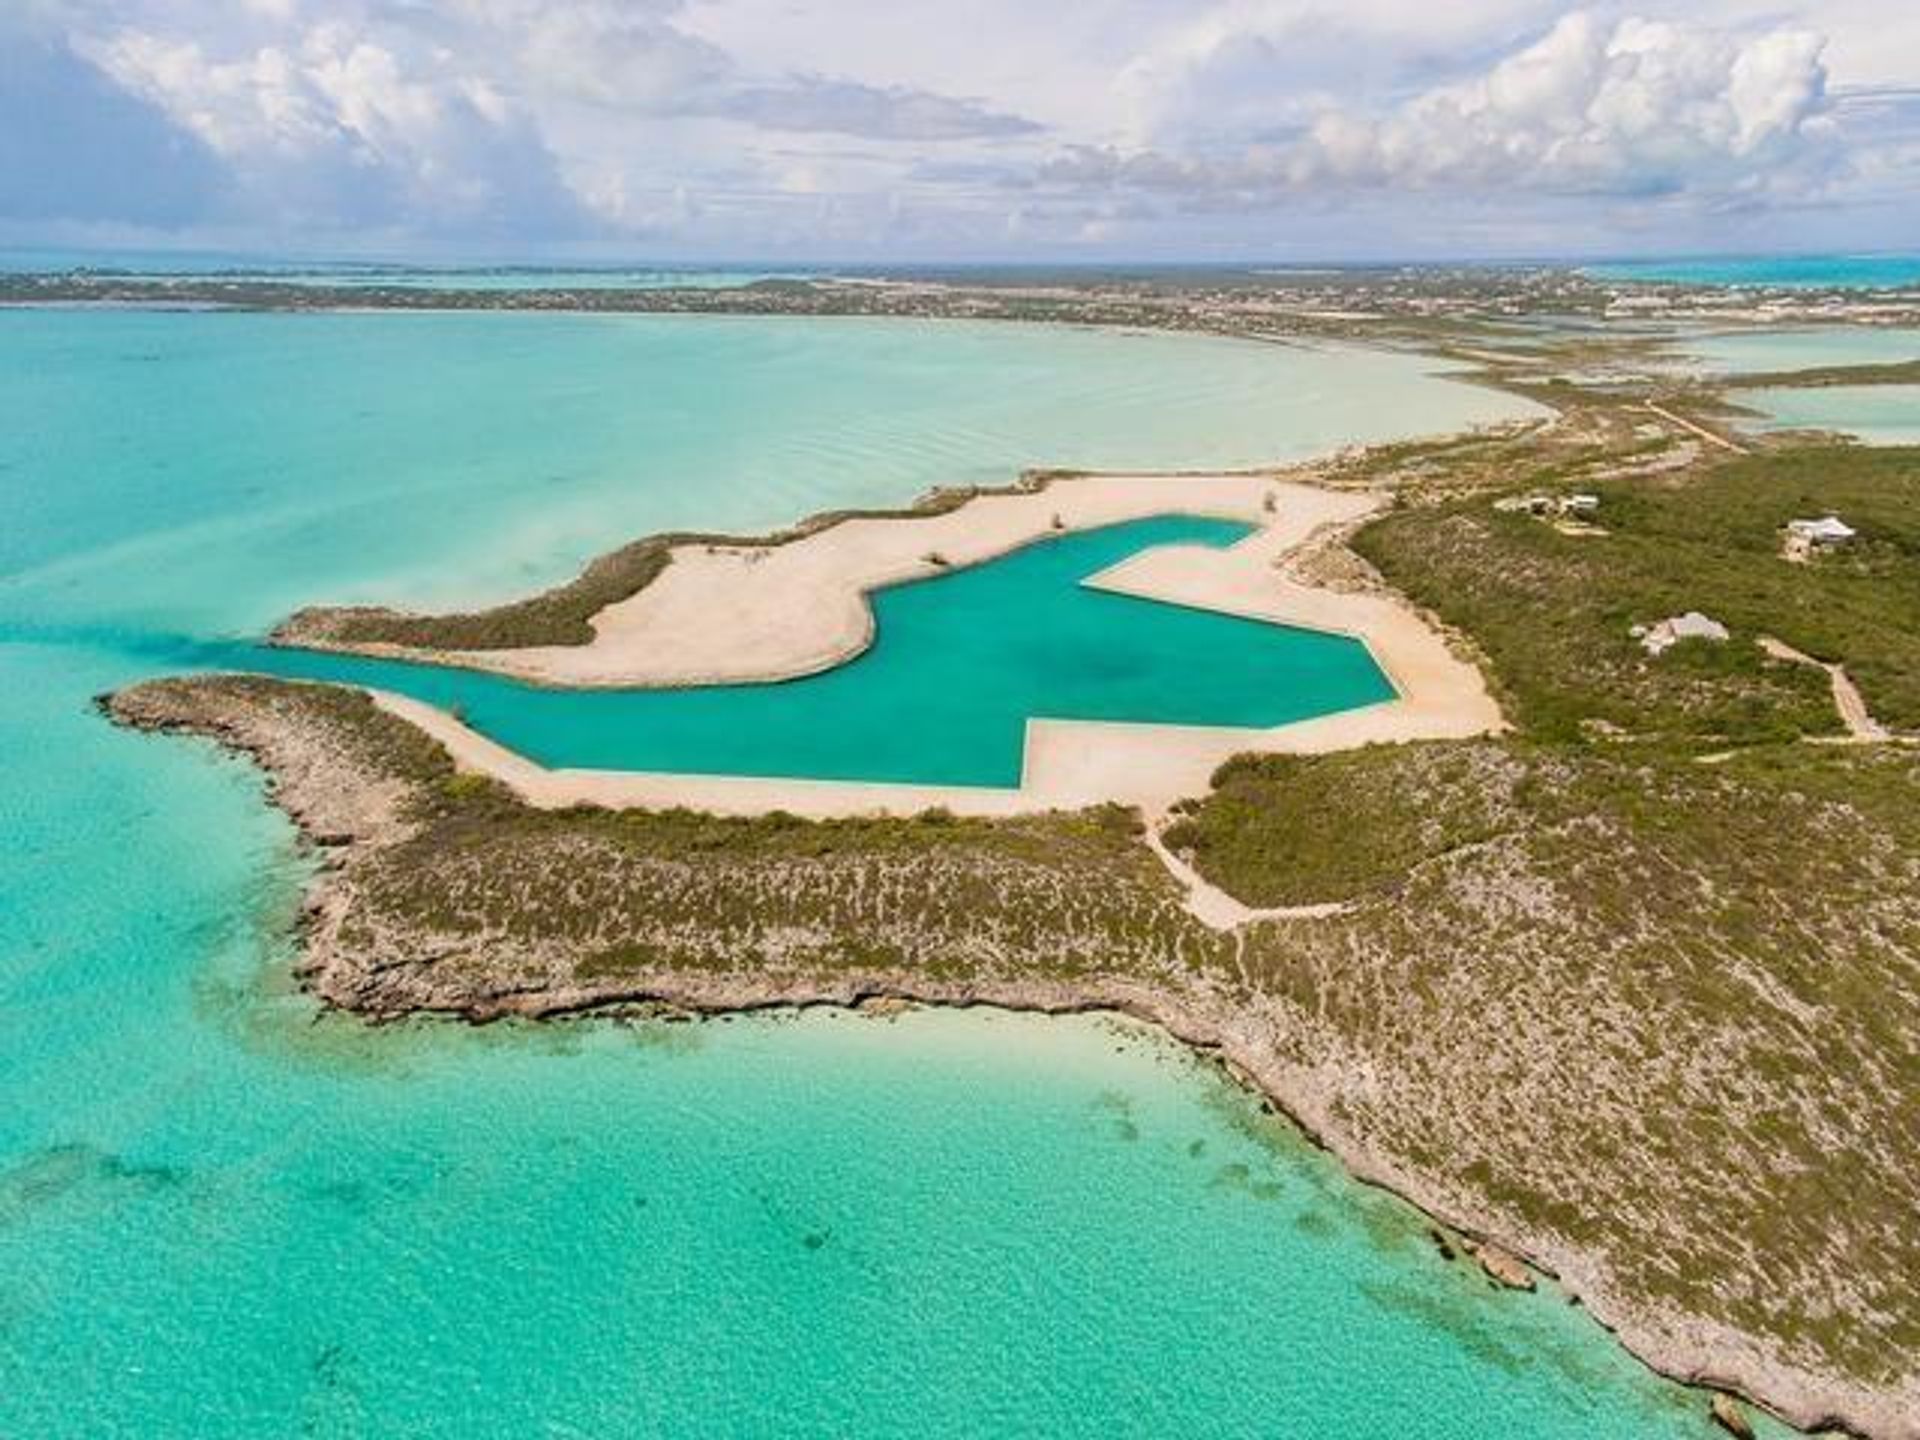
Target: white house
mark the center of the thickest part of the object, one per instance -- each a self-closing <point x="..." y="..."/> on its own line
<point x="1545" y="505"/>
<point x="1529" y="504"/>
<point x="1827" y="530"/>
<point x="1657" y="639"/>
<point x="1805" y="537"/>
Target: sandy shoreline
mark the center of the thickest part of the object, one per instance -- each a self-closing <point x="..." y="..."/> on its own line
<point x="722" y="614"/>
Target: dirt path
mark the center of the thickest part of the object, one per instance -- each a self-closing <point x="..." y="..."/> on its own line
<point x="1710" y="436"/>
<point x="1214" y="907"/>
<point x="1847" y="698"/>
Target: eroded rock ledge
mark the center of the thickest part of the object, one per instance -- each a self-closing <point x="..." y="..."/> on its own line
<point x="438" y="892"/>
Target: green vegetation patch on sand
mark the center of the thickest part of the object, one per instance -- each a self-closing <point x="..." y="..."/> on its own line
<point x="1269" y="830"/>
<point x="1904" y="372"/>
<point x="559" y="616"/>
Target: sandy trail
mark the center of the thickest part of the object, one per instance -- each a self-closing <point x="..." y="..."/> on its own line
<point x="1692" y="427"/>
<point x="1214" y="907"/>
<point x="1847" y="698"/>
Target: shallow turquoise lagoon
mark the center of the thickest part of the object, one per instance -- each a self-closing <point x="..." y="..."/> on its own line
<point x="1873" y="414"/>
<point x="959" y="664"/>
<point x="222" y="1215"/>
<point x="1749" y="352"/>
<point x="210" y="472"/>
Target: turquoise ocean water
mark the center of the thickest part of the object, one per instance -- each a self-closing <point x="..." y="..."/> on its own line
<point x="222" y="1214"/>
<point x="1786" y="272"/>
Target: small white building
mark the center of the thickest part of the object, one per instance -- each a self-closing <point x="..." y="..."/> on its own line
<point x="1658" y="639"/>
<point x="1806" y="537"/>
<point x="1827" y="530"/>
<point x="1549" y="505"/>
<point x="1527" y="504"/>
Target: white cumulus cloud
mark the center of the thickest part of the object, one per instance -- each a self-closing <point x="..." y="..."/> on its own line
<point x="332" y="126"/>
<point x="1627" y="106"/>
<point x="1632" y="105"/>
<point x="876" y="126"/>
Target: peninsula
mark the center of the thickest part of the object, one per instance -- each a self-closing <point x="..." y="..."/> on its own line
<point x="1608" y="960"/>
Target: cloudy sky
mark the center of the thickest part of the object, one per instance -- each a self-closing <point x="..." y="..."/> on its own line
<point x="903" y="129"/>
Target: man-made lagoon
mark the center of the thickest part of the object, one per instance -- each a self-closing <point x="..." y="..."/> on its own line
<point x="958" y="665"/>
<point x="223" y="1215"/>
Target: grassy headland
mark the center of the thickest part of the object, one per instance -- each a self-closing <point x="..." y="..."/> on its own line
<point x="453" y="895"/>
<point x="1644" y="978"/>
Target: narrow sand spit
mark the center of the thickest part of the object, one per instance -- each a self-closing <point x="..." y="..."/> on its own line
<point x="723" y="613"/>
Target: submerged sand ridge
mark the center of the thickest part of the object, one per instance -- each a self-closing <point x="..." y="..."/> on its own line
<point x="728" y="613"/>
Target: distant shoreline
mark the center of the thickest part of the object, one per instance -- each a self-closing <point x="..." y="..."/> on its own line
<point x="1400" y="303"/>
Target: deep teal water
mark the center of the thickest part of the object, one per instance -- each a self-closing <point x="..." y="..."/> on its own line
<point x="958" y="665"/>
<point x="222" y="1215"/>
